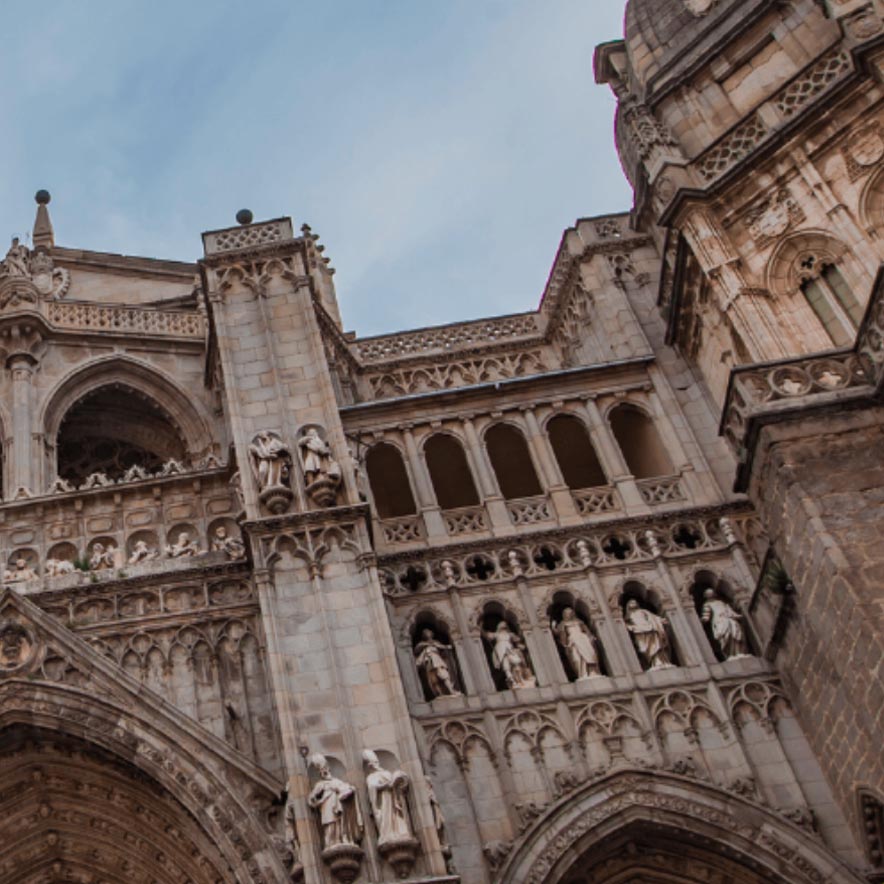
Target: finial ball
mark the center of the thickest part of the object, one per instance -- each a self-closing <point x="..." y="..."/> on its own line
<point x="42" y="197"/>
<point x="244" y="216"/>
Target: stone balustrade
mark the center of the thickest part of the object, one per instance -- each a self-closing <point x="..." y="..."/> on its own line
<point x="115" y="318"/>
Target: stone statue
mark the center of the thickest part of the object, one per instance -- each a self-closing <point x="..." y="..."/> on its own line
<point x="435" y="660"/>
<point x="648" y="632"/>
<point x="101" y="558"/>
<point x="508" y="656"/>
<point x="20" y="572"/>
<point x="438" y="818"/>
<point x="58" y="567"/>
<point x="292" y="842"/>
<point x="223" y="542"/>
<point x="724" y="621"/>
<point x="388" y="799"/>
<point x="576" y="639"/>
<point x="17" y="262"/>
<point x="335" y="801"/>
<point x="141" y="552"/>
<point x="183" y="547"/>
<point x="322" y="473"/>
<point x="271" y="461"/>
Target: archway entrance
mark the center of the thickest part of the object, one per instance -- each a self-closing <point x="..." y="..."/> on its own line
<point x="648" y="854"/>
<point x="71" y="811"/>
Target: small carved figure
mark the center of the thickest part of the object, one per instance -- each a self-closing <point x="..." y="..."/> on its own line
<point x="20" y="572"/>
<point x="322" y="473"/>
<point x="58" y="567"/>
<point x="387" y="798"/>
<point x="434" y="659"/>
<point x="142" y="552"/>
<point x="648" y="632"/>
<point x="335" y="801"/>
<point x="724" y="622"/>
<point x="508" y="656"/>
<point x="292" y="842"/>
<point x="496" y="853"/>
<point x="223" y="542"/>
<point x="271" y="461"/>
<point x="102" y="558"/>
<point x="17" y="261"/>
<point x="576" y="639"/>
<point x="438" y="817"/>
<point x="183" y="547"/>
<point x="60" y="486"/>
<point x="237" y="727"/>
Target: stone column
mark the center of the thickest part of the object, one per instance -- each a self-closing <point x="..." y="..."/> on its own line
<point x="426" y="499"/>
<point x="494" y="502"/>
<point x="21" y="369"/>
<point x="612" y="460"/>
<point x="551" y="477"/>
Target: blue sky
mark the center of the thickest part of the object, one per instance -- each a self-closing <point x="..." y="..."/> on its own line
<point x="439" y="149"/>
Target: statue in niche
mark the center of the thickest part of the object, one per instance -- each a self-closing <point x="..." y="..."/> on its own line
<point x="387" y="797"/>
<point x="271" y="461"/>
<point x="20" y="572"/>
<point x="438" y="818"/>
<point x="648" y="632"/>
<point x="101" y="558"/>
<point x="436" y="661"/>
<point x="509" y="657"/>
<point x="724" y="622"/>
<point x="142" y="552"/>
<point x="237" y="727"/>
<point x="335" y="801"/>
<point x="58" y="567"/>
<point x="233" y="547"/>
<point x="17" y="261"/>
<point x="183" y="547"/>
<point x="579" y="645"/>
<point x="322" y="473"/>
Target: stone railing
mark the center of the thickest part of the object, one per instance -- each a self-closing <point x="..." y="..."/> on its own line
<point x="467" y="520"/>
<point x="776" y="387"/>
<point x="247" y="236"/>
<point x="663" y="489"/>
<point x="447" y="338"/>
<point x="595" y="501"/>
<point x="529" y="510"/>
<point x="408" y="529"/>
<point x="84" y="316"/>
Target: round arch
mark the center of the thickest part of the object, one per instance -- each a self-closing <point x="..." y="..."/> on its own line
<point x="783" y="276"/>
<point x="83" y="760"/>
<point x="189" y="416"/>
<point x="624" y="804"/>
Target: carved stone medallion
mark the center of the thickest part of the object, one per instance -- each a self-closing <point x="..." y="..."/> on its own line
<point x="866" y="146"/>
<point x="774" y="221"/>
<point x="18" y="647"/>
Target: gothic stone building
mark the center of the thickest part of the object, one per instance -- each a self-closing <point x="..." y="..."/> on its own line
<point x="585" y="595"/>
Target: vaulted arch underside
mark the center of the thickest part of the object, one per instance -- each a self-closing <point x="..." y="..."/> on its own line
<point x="71" y="811"/>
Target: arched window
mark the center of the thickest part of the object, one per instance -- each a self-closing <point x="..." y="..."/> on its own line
<point x="640" y="443"/>
<point x="511" y="461"/>
<point x="115" y="428"/>
<point x="574" y="452"/>
<point x="450" y="473"/>
<point x="831" y="299"/>
<point x="389" y="483"/>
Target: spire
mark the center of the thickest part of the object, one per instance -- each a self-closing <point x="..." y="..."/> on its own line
<point x="44" y="237"/>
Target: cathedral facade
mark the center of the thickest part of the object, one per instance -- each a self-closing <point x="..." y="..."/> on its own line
<point x="586" y="595"/>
